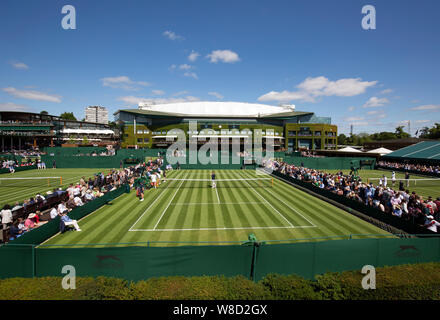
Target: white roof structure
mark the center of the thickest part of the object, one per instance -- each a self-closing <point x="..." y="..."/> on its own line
<point x="349" y="149"/>
<point x="217" y="108"/>
<point x="381" y="151"/>
<point x="88" y="131"/>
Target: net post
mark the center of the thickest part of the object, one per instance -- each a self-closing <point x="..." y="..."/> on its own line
<point x="61" y="181"/>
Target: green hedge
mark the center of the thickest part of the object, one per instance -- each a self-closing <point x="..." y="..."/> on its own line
<point x="417" y="281"/>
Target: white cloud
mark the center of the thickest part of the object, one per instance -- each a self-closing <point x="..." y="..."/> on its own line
<point x="285" y="96"/>
<point x="172" y="35"/>
<point x="374" y="102"/>
<point x="386" y="91"/>
<point x="10" y="106"/>
<point x="20" y="65"/>
<point x="191" y="75"/>
<point x="172" y="67"/>
<point x="351" y="108"/>
<point x="422" y="121"/>
<point x="193" y="56"/>
<point x="158" y="92"/>
<point x="123" y="82"/>
<point x="131" y="100"/>
<point x="216" y="94"/>
<point x="354" y="119"/>
<point x="185" y="66"/>
<point x="226" y="56"/>
<point x="428" y="107"/>
<point x="377" y="114"/>
<point x="311" y="88"/>
<point x="32" y="95"/>
<point x="180" y="93"/>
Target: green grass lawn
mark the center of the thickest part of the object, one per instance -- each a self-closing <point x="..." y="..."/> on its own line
<point x="10" y="192"/>
<point x="194" y="212"/>
<point x="425" y="188"/>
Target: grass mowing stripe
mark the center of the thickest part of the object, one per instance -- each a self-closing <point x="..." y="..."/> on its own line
<point x="337" y="220"/>
<point x="182" y="216"/>
<point x="166" y="208"/>
<point x="285" y="219"/>
<point x="259" y="216"/>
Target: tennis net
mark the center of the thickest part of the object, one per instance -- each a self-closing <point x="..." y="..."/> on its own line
<point x="219" y="183"/>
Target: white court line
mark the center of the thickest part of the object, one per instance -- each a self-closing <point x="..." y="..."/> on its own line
<point x="270" y="204"/>
<point x="160" y="218"/>
<point x="238" y="228"/>
<point x="217" y="195"/>
<point x="290" y="207"/>
<point x="206" y="203"/>
<point x="149" y="207"/>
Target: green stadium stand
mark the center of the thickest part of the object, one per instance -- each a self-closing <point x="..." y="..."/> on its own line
<point x="426" y="150"/>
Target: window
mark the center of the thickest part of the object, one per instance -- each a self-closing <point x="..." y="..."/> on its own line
<point x="139" y="132"/>
<point x="139" y="140"/>
<point x="146" y="140"/>
<point x="146" y="131"/>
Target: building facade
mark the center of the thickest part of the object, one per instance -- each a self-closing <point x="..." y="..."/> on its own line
<point x="156" y="126"/>
<point x="96" y="114"/>
<point x="26" y="130"/>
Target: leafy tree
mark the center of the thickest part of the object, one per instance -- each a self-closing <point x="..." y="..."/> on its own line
<point x="68" y="116"/>
<point x="44" y="112"/>
<point x="400" y="134"/>
<point x="430" y="133"/>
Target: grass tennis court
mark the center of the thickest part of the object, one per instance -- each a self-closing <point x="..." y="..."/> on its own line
<point x="19" y="190"/>
<point x="422" y="185"/>
<point x="184" y="211"/>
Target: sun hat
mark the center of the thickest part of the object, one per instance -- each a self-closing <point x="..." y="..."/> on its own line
<point x="430" y="217"/>
<point x="32" y="215"/>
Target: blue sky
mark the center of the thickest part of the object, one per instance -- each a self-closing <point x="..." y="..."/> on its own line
<point x="313" y="54"/>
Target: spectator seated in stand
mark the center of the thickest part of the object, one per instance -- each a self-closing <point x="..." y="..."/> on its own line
<point x="66" y="221"/>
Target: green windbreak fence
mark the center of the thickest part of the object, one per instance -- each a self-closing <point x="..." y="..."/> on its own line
<point x="332" y="163"/>
<point x="51" y="228"/>
<point x="313" y="258"/>
<point x="135" y="263"/>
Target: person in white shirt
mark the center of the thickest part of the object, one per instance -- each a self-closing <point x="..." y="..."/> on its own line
<point x="6" y="215"/>
<point x="62" y="208"/>
<point x="78" y="202"/>
<point x="53" y="213"/>
<point x="385" y="181"/>
<point x="153" y="180"/>
<point x="393" y="178"/>
<point x="431" y="224"/>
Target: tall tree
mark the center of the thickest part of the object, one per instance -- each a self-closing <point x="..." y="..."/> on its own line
<point x="67" y="116"/>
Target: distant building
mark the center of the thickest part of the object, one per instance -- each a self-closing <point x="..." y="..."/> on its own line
<point x="96" y="114"/>
<point x="28" y="130"/>
<point x="281" y="126"/>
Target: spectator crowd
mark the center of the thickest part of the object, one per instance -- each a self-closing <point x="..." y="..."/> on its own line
<point x="423" y="168"/>
<point x="40" y="209"/>
<point x="401" y="203"/>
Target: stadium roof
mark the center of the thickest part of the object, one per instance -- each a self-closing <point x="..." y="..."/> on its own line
<point x="216" y="109"/>
<point x="426" y="150"/>
<point x="348" y="149"/>
<point x="380" y="151"/>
